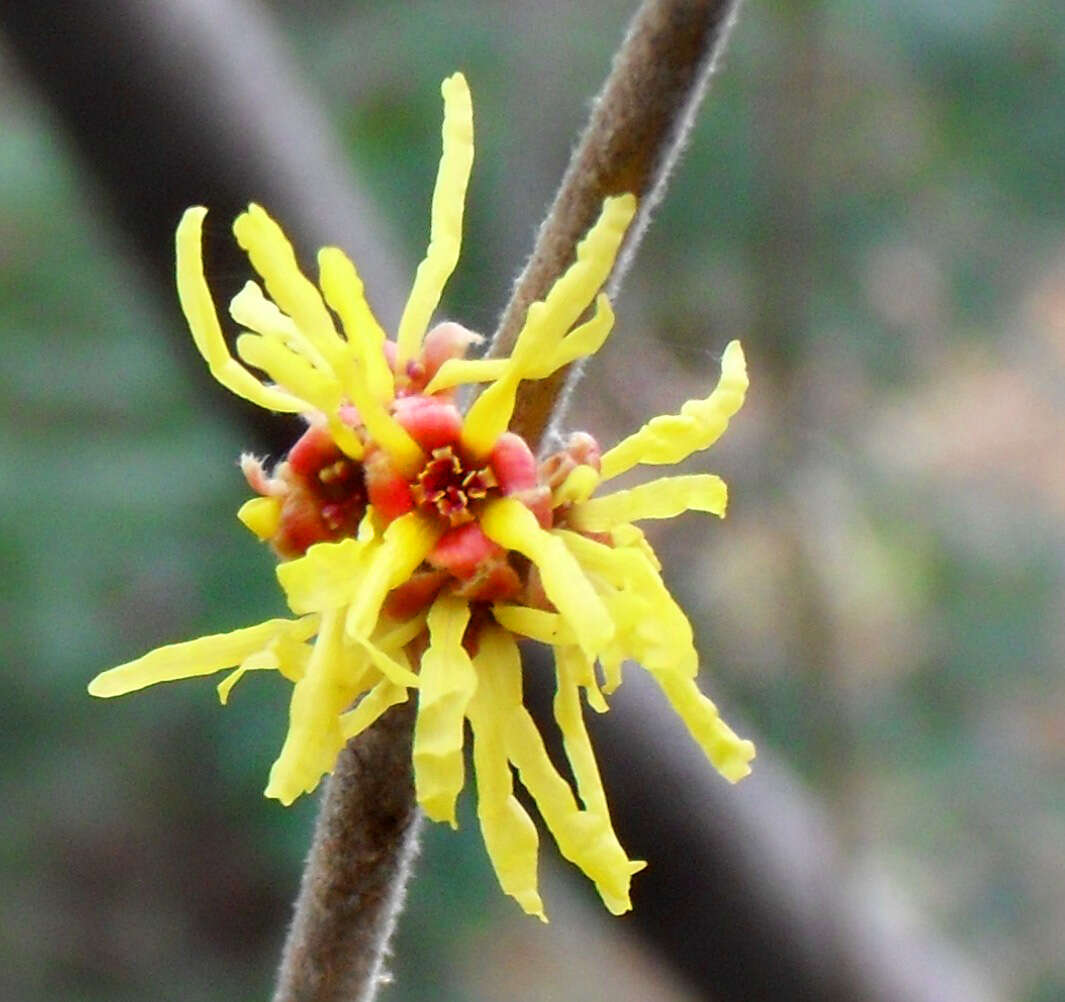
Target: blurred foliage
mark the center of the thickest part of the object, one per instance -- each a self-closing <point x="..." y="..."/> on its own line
<point x="872" y="202"/>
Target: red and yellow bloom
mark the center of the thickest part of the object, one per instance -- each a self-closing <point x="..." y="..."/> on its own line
<point x="417" y="543"/>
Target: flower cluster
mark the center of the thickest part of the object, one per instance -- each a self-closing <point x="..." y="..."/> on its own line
<point x="418" y="543"/>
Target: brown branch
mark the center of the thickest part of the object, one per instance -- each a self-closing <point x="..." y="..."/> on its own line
<point x="639" y="124"/>
<point x="364" y="843"/>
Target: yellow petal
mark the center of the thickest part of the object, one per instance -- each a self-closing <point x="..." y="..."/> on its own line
<point x="327" y="576"/>
<point x="584" y="837"/>
<point x="193" y="658"/>
<point x="358" y="368"/>
<point x="514" y="527"/>
<point x="551" y="628"/>
<point x="198" y="307"/>
<point x="509" y="833"/>
<point x="272" y="257"/>
<point x="343" y="291"/>
<point x="291" y="655"/>
<point x="285" y="655"/>
<point x="580" y="342"/>
<point x="663" y="498"/>
<point x="584" y="340"/>
<point x="322" y="390"/>
<point x="729" y="754"/>
<point x="582" y="671"/>
<point x="651" y="627"/>
<point x="577" y="486"/>
<point x="225" y="687"/>
<point x="670" y="438"/>
<point x="447" y="683"/>
<point x="314" y="737"/>
<point x="630" y="535"/>
<point x="547" y="323"/>
<point x="371" y="706"/>
<point x="394" y="636"/>
<point x="459" y="371"/>
<point x="536" y="624"/>
<point x="549" y="320"/>
<point x="405" y="544"/>
<point x="611" y="664"/>
<point x="261" y="515"/>
<point x="390" y="664"/>
<point x="251" y="309"/>
<point x="490" y="414"/>
<point x="569" y="664"/>
<point x="381" y="427"/>
<point x="386" y="649"/>
<point x="445" y="233"/>
<point x="291" y="370"/>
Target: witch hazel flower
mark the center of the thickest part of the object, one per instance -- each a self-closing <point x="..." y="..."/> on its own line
<point x="418" y="543"/>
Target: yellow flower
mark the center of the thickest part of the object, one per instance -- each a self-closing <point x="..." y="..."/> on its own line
<point x="418" y="543"/>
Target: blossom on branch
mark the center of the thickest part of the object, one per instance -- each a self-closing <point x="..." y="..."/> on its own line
<point x="417" y="544"/>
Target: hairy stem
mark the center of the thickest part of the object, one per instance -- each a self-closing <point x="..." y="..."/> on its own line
<point x="365" y="840"/>
<point x="638" y="127"/>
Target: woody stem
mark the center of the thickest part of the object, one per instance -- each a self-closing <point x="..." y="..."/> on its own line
<point x="637" y="129"/>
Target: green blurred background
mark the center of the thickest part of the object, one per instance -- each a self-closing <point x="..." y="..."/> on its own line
<point x="872" y="203"/>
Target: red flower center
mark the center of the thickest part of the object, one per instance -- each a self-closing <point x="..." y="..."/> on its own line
<point x="448" y="487"/>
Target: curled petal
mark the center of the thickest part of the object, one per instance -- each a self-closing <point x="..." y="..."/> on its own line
<point x="584" y="837"/>
<point x="651" y="627"/>
<point x="509" y="833"/>
<point x="448" y="681"/>
<point x="382" y="696"/>
<point x="536" y="624"/>
<point x="514" y="527"/>
<point x="569" y="666"/>
<point x="663" y="498"/>
<point x="547" y="322"/>
<point x="314" y="736"/>
<point x="285" y="655"/>
<point x="403" y="546"/>
<point x="287" y="368"/>
<point x="199" y="310"/>
<point x="460" y="371"/>
<point x="445" y="234"/>
<point x="728" y="753"/>
<point x="325" y="577"/>
<point x="251" y="309"/>
<point x="393" y="665"/>
<point x="670" y="438"/>
<point x="343" y="291"/>
<point x="273" y="258"/>
<point x="193" y="658"/>
<point x="580" y="342"/>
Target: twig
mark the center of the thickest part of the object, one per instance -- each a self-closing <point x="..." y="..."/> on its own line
<point x="365" y="840"/>
<point x="639" y="124"/>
